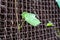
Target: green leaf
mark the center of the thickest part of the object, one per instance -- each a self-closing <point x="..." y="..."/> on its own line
<point x="58" y="2"/>
<point x="49" y="24"/>
<point x="30" y="18"/>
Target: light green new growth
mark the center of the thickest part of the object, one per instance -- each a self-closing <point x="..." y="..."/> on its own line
<point x="19" y="27"/>
<point x="30" y="18"/>
<point x="58" y="2"/>
<point x="49" y="24"/>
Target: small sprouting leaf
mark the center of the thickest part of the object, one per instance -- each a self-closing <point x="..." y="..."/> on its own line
<point x="19" y="27"/>
<point x="49" y="24"/>
<point x="58" y="2"/>
<point x="30" y="18"/>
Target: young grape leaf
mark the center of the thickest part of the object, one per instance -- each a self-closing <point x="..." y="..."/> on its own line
<point x="30" y="18"/>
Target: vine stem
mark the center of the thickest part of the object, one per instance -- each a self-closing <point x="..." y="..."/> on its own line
<point x="16" y="9"/>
